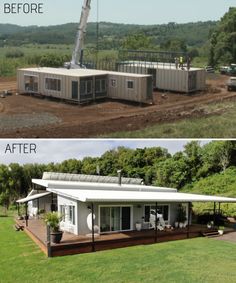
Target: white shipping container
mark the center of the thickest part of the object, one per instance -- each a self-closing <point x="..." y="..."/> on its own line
<point x="167" y="77"/>
<point x="82" y="85"/>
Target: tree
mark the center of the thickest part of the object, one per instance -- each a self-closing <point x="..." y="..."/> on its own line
<point x="175" y="45"/>
<point x="173" y="172"/>
<point x="223" y="40"/>
<point x="216" y="157"/>
<point x="138" y="41"/>
<point x="53" y="60"/>
<point x="193" y="153"/>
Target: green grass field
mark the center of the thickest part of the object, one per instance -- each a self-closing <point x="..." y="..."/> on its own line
<point x="215" y="126"/>
<point x="198" y="260"/>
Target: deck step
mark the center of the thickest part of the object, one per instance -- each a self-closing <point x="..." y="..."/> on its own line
<point x="211" y="234"/>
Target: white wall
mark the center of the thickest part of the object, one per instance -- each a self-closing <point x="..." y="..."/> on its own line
<point x="44" y="204"/>
<point x="67" y="225"/>
<point x="82" y="211"/>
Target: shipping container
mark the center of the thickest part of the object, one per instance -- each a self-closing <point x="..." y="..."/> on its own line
<point x="167" y="77"/>
<point x="82" y="85"/>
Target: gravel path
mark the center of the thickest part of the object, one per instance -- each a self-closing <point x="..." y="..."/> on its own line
<point x="19" y="121"/>
<point x="229" y="237"/>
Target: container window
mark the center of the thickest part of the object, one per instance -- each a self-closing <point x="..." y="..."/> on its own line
<point x="130" y="84"/>
<point x="100" y="85"/>
<point x="31" y="83"/>
<point x="86" y="87"/>
<point x="53" y="84"/>
<point x="113" y="83"/>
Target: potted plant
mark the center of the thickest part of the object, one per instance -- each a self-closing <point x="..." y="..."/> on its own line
<point x="221" y="230"/>
<point x="138" y="226"/>
<point x="53" y="219"/>
<point x="181" y="216"/>
<point x="210" y="224"/>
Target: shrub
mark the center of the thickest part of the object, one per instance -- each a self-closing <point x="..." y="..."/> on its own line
<point x="17" y="53"/>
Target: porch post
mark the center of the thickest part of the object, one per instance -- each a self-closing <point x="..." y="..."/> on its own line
<point x="26" y="214"/>
<point x="219" y="207"/>
<point x="49" y="250"/>
<point x="52" y="207"/>
<point x="156" y="223"/>
<point x="93" y="242"/>
<point x="189" y="212"/>
<point x="38" y="208"/>
<point x="18" y="209"/>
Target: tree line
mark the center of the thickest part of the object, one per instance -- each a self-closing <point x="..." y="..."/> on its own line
<point x="156" y="166"/>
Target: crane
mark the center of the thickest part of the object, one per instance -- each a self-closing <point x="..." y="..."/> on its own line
<point x="77" y="55"/>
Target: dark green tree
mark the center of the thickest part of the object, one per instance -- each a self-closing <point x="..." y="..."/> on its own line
<point x="138" y="41"/>
<point x="223" y="40"/>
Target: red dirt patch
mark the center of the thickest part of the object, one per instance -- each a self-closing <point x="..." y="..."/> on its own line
<point x="76" y="121"/>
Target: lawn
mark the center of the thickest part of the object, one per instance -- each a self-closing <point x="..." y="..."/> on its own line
<point x="215" y="126"/>
<point x="198" y="260"/>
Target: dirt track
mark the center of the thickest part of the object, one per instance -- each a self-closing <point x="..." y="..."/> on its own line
<point x="73" y="121"/>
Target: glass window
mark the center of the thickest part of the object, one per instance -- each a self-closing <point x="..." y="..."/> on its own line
<point x="100" y="85"/>
<point x="113" y="82"/>
<point x="161" y="209"/>
<point x="115" y="218"/>
<point x="72" y="214"/>
<point x="86" y="87"/>
<point x="130" y="84"/>
<point x="82" y="87"/>
<point x="89" y="87"/>
<point x="103" y="85"/>
<point x="105" y="219"/>
<point x="147" y="213"/>
<point x="63" y="212"/>
<point x="31" y="83"/>
<point x="53" y="84"/>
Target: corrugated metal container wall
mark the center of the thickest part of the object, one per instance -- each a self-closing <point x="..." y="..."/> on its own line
<point x="130" y="88"/>
<point x="172" y="80"/>
<point x="201" y="79"/>
<point x="85" y="88"/>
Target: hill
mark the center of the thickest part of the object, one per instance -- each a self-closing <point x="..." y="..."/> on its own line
<point x="195" y="34"/>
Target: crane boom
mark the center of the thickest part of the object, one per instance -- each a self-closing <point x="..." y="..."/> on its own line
<point x="77" y="56"/>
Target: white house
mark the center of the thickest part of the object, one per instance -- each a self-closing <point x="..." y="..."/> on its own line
<point x="115" y="203"/>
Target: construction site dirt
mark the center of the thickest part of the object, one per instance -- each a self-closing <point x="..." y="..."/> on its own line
<point x="23" y="116"/>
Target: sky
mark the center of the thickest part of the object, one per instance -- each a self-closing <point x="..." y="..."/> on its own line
<point x="122" y="11"/>
<point x="60" y="150"/>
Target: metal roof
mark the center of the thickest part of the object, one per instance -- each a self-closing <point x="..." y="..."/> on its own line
<point x="33" y="197"/>
<point x="89" y="178"/>
<point x="77" y="72"/>
<point x="136" y="196"/>
<point x="113" y="192"/>
<point x="91" y="186"/>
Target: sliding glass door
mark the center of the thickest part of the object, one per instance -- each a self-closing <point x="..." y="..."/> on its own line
<point x="115" y="218"/>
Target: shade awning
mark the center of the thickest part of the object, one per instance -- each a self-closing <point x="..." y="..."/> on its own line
<point x="136" y="196"/>
<point x="33" y="197"/>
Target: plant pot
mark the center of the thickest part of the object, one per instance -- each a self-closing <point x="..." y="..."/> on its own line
<point x="56" y="237"/>
<point x="221" y="232"/>
<point x="176" y="224"/>
<point x="138" y="226"/>
<point x="181" y="225"/>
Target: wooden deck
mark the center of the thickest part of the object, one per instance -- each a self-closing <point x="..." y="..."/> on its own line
<point x="73" y="244"/>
